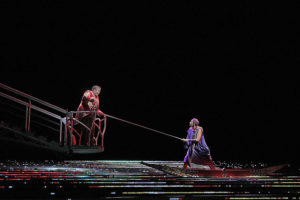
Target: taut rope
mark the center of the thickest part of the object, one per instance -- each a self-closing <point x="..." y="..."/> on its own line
<point x="141" y="126"/>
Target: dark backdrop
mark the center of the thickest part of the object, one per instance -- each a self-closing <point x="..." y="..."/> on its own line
<point x="232" y="65"/>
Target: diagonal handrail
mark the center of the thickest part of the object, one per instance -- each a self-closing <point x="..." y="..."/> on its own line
<point x="27" y="104"/>
<point x="29" y="97"/>
<point x="49" y="109"/>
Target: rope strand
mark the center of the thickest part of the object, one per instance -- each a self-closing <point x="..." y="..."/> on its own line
<point x="141" y="126"/>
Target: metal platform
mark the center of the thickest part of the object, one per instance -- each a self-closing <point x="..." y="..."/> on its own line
<point x="86" y="149"/>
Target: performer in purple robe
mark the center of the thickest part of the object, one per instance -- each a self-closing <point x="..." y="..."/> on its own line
<point x="197" y="150"/>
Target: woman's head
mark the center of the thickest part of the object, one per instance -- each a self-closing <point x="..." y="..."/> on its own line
<point x="194" y="122"/>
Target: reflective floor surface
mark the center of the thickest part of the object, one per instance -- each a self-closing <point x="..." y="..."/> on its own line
<point x="130" y="179"/>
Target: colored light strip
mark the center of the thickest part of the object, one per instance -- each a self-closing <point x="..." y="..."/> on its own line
<point x="175" y="192"/>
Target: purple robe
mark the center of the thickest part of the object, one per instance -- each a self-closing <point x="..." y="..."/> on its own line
<point x="198" y="152"/>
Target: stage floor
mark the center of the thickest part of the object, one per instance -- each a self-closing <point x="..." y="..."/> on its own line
<point x="106" y="179"/>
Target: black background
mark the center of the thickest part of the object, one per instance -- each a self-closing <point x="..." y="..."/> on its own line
<point x="232" y="65"/>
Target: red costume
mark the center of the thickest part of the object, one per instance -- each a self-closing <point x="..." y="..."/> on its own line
<point x="89" y="102"/>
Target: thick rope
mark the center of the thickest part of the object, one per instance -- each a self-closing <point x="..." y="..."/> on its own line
<point x="141" y="126"/>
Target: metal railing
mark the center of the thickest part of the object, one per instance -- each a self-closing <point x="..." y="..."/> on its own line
<point x="94" y="132"/>
<point x="65" y="119"/>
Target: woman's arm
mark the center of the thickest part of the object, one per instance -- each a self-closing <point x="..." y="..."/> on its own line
<point x="198" y="137"/>
<point x="199" y="134"/>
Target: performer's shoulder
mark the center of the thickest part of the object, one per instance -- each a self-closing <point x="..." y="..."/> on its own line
<point x="87" y="92"/>
<point x="200" y="128"/>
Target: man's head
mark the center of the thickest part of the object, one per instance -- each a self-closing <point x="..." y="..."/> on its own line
<point x="194" y="122"/>
<point x="96" y="90"/>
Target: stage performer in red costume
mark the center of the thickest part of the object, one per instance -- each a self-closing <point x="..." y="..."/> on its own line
<point x="89" y="102"/>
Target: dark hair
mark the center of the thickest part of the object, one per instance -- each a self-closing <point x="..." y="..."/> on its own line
<point x="96" y="86"/>
<point x="195" y="121"/>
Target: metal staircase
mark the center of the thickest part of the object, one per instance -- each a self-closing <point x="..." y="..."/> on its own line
<point x="27" y="120"/>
